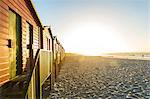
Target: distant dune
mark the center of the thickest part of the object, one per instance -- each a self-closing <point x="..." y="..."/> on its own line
<point x="130" y="55"/>
<point x="72" y="54"/>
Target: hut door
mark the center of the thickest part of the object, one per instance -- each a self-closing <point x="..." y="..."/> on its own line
<point x="29" y="43"/>
<point x="14" y="44"/>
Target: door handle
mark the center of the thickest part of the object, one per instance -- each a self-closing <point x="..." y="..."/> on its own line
<point x="30" y="46"/>
<point x="9" y="43"/>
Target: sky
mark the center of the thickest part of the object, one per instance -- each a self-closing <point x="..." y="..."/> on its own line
<point x="98" y="26"/>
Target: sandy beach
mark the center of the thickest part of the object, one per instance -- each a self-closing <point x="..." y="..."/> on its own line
<point x="99" y="77"/>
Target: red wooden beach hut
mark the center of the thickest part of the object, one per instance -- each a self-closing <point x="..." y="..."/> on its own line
<point x="20" y="30"/>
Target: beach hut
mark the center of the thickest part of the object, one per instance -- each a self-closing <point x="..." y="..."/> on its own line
<point x="51" y="44"/>
<point x="49" y="69"/>
<point x="56" y="47"/>
<point x="62" y="53"/>
<point x="48" y="45"/>
<point x="20" y="30"/>
<point x="47" y="38"/>
<point x="58" y="51"/>
<point x="55" y="52"/>
<point x="58" y="54"/>
<point x="20" y="38"/>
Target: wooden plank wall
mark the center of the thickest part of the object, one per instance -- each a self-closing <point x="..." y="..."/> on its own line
<point x="23" y="9"/>
<point x="46" y="38"/>
<point x="4" y="51"/>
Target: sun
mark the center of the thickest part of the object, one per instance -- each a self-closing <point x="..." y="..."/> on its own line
<point x="93" y="38"/>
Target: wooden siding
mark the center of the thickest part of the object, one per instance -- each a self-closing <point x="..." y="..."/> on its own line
<point x="47" y="40"/>
<point x="35" y="39"/>
<point x="4" y="51"/>
<point x="26" y="12"/>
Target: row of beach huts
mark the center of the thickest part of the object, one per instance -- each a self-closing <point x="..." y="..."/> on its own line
<point x="29" y="54"/>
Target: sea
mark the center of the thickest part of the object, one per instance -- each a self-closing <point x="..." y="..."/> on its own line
<point x="129" y="55"/>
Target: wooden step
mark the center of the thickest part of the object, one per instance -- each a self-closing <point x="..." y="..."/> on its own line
<point x="13" y="94"/>
<point x="19" y="78"/>
<point x="15" y="88"/>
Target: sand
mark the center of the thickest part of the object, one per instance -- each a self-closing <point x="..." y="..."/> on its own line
<point x="98" y="77"/>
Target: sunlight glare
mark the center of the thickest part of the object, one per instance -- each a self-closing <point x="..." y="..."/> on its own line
<point x="92" y="38"/>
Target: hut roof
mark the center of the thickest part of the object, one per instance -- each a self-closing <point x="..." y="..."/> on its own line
<point x="30" y="3"/>
<point x="49" y="29"/>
